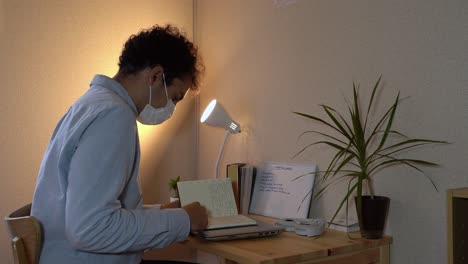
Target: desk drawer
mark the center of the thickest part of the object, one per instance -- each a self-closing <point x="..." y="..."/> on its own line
<point x="367" y="256"/>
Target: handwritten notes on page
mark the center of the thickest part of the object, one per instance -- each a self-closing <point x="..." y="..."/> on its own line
<point x="283" y="190"/>
<point x="216" y="195"/>
<point x="218" y="198"/>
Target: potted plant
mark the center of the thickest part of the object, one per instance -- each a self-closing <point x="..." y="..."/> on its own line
<point x="361" y="152"/>
<point x="173" y="188"/>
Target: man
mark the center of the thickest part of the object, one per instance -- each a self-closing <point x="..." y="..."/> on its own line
<point x="87" y="195"/>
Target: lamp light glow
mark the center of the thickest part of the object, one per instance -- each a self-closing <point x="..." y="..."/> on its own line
<point x="208" y="111"/>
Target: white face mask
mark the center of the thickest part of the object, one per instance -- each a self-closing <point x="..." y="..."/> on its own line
<point x="155" y="116"/>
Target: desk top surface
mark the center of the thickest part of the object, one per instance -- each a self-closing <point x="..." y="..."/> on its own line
<point x="287" y="247"/>
<point x="460" y="192"/>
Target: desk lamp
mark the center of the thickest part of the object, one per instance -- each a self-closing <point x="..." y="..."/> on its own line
<point x="215" y="115"/>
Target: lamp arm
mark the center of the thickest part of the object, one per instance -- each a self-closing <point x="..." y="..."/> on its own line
<point x="220" y="153"/>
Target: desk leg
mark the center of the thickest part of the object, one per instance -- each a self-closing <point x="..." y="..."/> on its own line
<point x="384" y="254"/>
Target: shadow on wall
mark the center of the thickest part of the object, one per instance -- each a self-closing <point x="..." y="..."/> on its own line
<point x="164" y="149"/>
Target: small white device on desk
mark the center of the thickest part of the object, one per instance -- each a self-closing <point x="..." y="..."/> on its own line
<point x="303" y="226"/>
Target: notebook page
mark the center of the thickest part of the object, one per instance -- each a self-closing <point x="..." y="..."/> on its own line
<point x="215" y="194"/>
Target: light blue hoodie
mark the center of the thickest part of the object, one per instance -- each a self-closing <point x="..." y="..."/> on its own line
<point x="88" y="197"/>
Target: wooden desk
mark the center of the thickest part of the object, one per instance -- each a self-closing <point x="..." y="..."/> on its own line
<point x="457" y="205"/>
<point x="332" y="247"/>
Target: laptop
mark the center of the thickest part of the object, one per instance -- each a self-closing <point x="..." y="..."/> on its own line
<point x="261" y="229"/>
<point x="224" y="221"/>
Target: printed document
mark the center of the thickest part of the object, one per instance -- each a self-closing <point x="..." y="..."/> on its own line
<point x="283" y="190"/>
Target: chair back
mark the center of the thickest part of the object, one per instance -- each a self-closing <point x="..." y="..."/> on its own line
<point x="25" y="235"/>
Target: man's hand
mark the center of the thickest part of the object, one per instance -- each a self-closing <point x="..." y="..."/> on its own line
<point x="198" y="216"/>
<point x="174" y="204"/>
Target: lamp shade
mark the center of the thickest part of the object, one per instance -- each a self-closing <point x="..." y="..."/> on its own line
<point x="215" y="115"/>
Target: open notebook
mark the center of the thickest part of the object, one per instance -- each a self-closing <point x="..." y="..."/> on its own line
<point x="218" y="198"/>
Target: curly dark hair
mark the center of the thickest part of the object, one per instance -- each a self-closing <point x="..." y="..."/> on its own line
<point x="165" y="46"/>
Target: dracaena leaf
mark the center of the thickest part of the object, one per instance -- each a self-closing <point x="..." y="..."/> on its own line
<point x="329" y="111"/>
<point x="334" y="145"/>
<point x="371" y="101"/>
<point x="408" y="162"/>
<point x="331" y="166"/>
<point x="384" y="153"/>
<point x="389" y="123"/>
<point x="356" y="119"/>
<point x="317" y="119"/>
<point x="393" y="132"/>
<point x="305" y="174"/>
<point x="350" y="191"/>
<point x="336" y="122"/>
<point x="335" y="160"/>
<point x="352" y="174"/>
<point x="377" y="127"/>
<point x="303" y="199"/>
<point x="320" y="133"/>
<point x="343" y="163"/>
<point x="412" y="141"/>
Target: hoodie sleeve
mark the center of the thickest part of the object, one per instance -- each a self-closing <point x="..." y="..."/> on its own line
<point x="95" y="219"/>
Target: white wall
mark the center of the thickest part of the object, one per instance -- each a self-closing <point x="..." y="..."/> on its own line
<point x="49" y="52"/>
<point x="264" y="62"/>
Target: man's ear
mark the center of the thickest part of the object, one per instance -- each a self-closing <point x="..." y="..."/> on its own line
<point x="156" y="74"/>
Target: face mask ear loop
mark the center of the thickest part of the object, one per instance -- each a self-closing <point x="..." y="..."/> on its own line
<point x="165" y="88"/>
<point x="150" y="95"/>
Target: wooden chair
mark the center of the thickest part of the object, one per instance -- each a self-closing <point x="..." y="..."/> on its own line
<point x="26" y="236"/>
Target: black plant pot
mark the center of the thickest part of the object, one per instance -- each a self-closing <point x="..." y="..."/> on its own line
<point x="374" y="215"/>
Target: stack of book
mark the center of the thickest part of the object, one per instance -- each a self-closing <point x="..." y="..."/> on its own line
<point x="243" y="178"/>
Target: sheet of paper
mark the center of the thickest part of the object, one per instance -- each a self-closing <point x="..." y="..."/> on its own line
<point x="283" y="190"/>
<point x="215" y="194"/>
